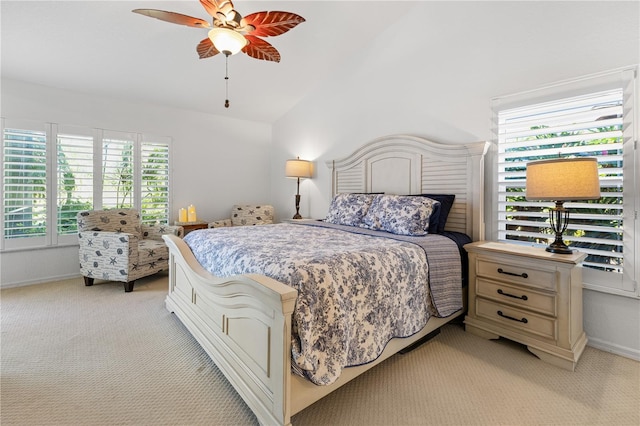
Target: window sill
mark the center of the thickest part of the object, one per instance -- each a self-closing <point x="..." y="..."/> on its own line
<point x="36" y="248"/>
<point x="614" y="291"/>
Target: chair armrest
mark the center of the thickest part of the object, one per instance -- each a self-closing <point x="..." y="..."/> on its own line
<point x="155" y="232"/>
<point x="107" y="255"/>
<point x="220" y="223"/>
<point x="102" y="243"/>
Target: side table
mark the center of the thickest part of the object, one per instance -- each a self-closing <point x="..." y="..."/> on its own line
<point x="304" y="219"/>
<point x="191" y="226"/>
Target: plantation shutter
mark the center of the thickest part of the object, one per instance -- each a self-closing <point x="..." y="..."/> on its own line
<point x="154" y="182"/>
<point x="75" y="158"/>
<point x="118" y="164"/>
<point x="585" y="126"/>
<point x="24" y="182"/>
<point x="49" y="172"/>
<point x="575" y="120"/>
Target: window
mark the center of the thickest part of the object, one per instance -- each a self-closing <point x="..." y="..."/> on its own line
<point x="74" y="177"/>
<point x="587" y="123"/>
<point x="24" y="185"/>
<point x="155" y="182"/>
<point x="117" y="171"/>
<point x="50" y="172"/>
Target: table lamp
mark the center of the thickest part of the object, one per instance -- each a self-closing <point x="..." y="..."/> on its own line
<point x="298" y="169"/>
<point x="560" y="180"/>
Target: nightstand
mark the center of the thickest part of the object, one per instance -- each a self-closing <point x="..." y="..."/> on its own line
<point x="191" y="226"/>
<point x="528" y="295"/>
<point x="304" y="219"/>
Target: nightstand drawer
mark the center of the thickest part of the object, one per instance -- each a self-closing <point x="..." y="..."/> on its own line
<point x="517" y="272"/>
<point x="544" y="303"/>
<point x="517" y="318"/>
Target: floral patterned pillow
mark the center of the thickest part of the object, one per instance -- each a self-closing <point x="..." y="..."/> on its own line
<point x="400" y="214"/>
<point x="349" y="209"/>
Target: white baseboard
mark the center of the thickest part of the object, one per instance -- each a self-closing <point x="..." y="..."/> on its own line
<point x="39" y="281"/>
<point x="614" y="349"/>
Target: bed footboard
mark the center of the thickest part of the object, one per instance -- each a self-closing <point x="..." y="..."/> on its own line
<point x="243" y="323"/>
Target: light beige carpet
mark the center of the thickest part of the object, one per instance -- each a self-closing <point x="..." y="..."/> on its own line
<point x="76" y="355"/>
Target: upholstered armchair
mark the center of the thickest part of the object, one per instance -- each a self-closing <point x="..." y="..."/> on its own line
<point x="116" y="246"/>
<point x="246" y="214"/>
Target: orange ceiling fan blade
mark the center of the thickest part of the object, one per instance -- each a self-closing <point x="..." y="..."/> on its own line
<point x="206" y="49"/>
<point x="174" y="18"/>
<point x="270" y="24"/>
<point x="260" y="49"/>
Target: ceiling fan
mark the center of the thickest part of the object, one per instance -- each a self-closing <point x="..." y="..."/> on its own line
<point x="230" y="32"/>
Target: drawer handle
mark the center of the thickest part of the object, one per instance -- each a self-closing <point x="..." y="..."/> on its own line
<point x="523" y="320"/>
<point x="523" y="275"/>
<point x="523" y="297"/>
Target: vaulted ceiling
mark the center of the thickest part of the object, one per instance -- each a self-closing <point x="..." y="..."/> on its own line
<point x="100" y="48"/>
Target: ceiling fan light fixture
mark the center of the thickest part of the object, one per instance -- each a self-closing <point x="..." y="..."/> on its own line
<point x="227" y="41"/>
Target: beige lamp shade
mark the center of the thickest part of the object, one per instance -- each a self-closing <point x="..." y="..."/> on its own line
<point x="297" y="168"/>
<point x="563" y="179"/>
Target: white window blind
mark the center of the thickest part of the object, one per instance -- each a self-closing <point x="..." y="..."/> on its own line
<point x="49" y="172"/>
<point x="118" y="171"/>
<point x="74" y="180"/>
<point x="24" y="186"/>
<point x="593" y="116"/>
<point x="155" y="182"/>
<point x="584" y="126"/>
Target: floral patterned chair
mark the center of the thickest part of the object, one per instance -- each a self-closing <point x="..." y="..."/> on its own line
<point x="116" y="246"/>
<point x="246" y="214"/>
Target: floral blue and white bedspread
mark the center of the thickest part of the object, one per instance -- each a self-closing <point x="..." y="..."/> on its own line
<point x="356" y="290"/>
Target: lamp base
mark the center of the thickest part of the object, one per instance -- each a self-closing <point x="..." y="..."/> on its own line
<point x="297" y="215"/>
<point x="559" y="248"/>
<point x="559" y="218"/>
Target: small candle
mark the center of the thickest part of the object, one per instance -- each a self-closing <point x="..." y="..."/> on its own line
<point x="191" y="213"/>
<point x="182" y="215"/>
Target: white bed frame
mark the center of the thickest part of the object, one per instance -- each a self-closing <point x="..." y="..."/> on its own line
<point x="244" y="322"/>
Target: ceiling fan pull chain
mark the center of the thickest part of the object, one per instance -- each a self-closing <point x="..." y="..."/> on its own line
<point x="226" y="78"/>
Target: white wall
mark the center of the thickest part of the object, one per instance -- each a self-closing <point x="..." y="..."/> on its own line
<point x="434" y="73"/>
<point x="217" y="162"/>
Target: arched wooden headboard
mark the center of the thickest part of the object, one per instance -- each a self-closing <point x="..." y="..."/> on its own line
<point x="403" y="164"/>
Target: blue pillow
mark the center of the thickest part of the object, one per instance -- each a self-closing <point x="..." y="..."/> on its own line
<point x="446" y="202"/>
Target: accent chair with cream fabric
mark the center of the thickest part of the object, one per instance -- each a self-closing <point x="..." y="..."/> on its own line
<point x="246" y="214"/>
<point x="116" y="246"/>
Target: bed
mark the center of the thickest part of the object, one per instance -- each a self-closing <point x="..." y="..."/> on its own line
<point x="244" y="322"/>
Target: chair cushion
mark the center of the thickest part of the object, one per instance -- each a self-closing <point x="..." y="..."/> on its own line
<point x="220" y="223"/>
<point x="251" y="214"/>
<point x="151" y="253"/>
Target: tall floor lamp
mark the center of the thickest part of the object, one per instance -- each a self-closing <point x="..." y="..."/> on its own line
<point x="560" y="180"/>
<point x="299" y="169"/>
